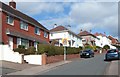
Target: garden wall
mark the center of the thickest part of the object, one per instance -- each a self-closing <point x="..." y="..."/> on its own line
<point x="57" y="58"/>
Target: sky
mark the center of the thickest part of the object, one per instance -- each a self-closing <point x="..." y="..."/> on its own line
<point x="96" y="15"/>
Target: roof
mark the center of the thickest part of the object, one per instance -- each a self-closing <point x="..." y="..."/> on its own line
<point x="99" y="34"/>
<point x="62" y="28"/>
<point x="85" y="33"/>
<point x="7" y="8"/>
<point x="113" y="39"/>
<point x="58" y="28"/>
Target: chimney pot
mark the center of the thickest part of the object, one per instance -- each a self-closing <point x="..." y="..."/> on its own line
<point x="12" y="4"/>
<point x="80" y="30"/>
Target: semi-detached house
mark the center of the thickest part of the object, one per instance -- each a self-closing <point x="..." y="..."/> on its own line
<point x="18" y="28"/>
<point x="60" y="32"/>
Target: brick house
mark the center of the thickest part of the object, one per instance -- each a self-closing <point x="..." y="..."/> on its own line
<point x="18" y="28"/>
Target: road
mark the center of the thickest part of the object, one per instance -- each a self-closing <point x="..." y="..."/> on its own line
<point x="89" y="66"/>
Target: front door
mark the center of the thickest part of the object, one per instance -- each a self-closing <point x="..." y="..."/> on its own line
<point x="11" y="42"/>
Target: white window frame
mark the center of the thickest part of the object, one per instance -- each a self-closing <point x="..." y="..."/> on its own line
<point x="23" y="25"/>
<point x="45" y="34"/>
<point x="38" y="30"/>
<point x="8" y="19"/>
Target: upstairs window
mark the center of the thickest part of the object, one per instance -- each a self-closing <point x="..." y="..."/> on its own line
<point x="10" y="20"/>
<point x="45" y="34"/>
<point x="23" y="25"/>
<point x="37" y="31"/>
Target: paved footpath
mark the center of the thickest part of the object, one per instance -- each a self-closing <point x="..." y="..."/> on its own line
<point x="113" y="69"/>
<point x="35" y="70"/>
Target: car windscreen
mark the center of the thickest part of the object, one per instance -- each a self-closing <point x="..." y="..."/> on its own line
<point x="111" y="51"/>
<point x="86" y="51"/>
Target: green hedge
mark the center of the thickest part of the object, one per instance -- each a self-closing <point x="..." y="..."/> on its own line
<point x="21" y="49"/>
<point x="51" y="50"/>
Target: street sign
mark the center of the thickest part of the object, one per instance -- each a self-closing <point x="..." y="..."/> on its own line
<point x="64" y="41"/>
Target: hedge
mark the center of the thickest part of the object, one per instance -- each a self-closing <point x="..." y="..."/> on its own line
<point x="21" y="49"/>
<point x="51" y="50"/>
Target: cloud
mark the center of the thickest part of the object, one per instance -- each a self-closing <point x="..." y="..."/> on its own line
<point x="95" y="16"/>
<point x="59" y="21"/>
<point x="40" y="7"/>
<point x="62" y="0"/>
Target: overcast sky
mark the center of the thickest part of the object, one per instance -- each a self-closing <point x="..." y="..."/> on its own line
<point x="96" y="15"/>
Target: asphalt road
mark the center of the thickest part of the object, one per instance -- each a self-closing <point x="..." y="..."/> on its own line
<point x="89" y="66"/>
<point x="4" y="70"/>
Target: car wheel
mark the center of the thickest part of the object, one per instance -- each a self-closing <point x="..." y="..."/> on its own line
<point x="90" y="56"/>
<point x="81" y="56"/>
<point x="106" y="58"/>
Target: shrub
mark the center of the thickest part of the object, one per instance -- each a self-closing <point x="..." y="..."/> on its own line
<point x="21" y="46"/>
<point x="20" y="50"/>
<point x="30" y="50"/>
<point x="88" y="47"/>
<point x="80" y="47"/>
<point x="106" y="47"/>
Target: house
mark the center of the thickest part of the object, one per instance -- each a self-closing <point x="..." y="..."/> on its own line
<point x="87" y="37"/>
<point x="60" y="32"/>
<point x="114" y="41"/>
<point x="20" y="29"/>
<point x="104" y="40"/>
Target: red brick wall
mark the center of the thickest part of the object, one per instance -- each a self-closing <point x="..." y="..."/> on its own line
<point x="57" y="58"/>
<point x="17" y="27"/>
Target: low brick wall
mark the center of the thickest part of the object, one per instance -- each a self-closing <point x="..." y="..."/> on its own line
<point x="57" y="58"/>
<point x="73" y="56"/>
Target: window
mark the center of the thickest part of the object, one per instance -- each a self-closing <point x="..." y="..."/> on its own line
<point x="37" y="31"/>
<point x="23" y="25"/>
<point x="51" y="34"/>
<point x="45" y="34"/>
<point x="25" y="43"/>
<point x="10" y="20"/>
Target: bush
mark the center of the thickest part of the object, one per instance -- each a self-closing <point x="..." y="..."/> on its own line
<point x="21" y="46"/>
<point x="72" y="50"/>
<point x="106" y="47"/>
<point x="80" y="47"/>
<point x="20" y="50"/>
<point x="30" y="50"/>
<point x="88" y="47"/>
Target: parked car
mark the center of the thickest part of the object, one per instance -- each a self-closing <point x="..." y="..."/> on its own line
<point x="88" y="53"/>
<point x="112" y="54"/>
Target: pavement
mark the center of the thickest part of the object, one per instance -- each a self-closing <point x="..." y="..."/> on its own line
<point x="35" y="70"/>
<point x="113" y="68"/>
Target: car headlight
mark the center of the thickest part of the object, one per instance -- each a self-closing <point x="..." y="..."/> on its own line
<point x="87" y="54"/>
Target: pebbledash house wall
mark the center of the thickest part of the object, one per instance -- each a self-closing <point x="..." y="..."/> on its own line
<point x="16" y="27"/>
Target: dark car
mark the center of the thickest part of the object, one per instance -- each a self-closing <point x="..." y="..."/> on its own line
<point x="112" y="54"/>
<point x="87" y="53"/>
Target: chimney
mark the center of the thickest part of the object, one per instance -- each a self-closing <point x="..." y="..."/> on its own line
<point x="55" y="25"/>
<point x="80" y="30"/>
<point x="12" y="4"/>
<point x="90" y="30"/>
